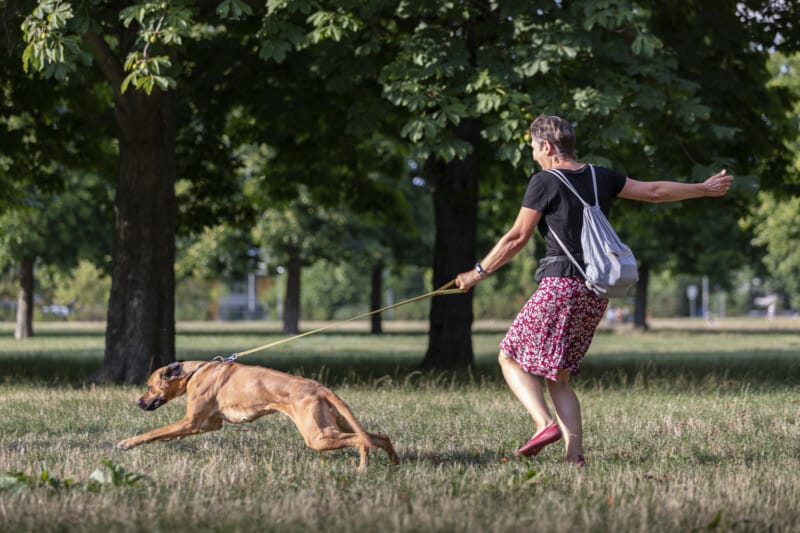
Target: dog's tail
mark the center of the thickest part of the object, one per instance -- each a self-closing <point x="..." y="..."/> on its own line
<point x="349" y="416"/>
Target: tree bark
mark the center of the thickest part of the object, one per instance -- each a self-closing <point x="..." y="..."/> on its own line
<point x="640" y="306"/>
<point x="455" y="201"/>
<point x="376" y="327"/>
<point x="24" y="324"/>
<point x="140" y="331"/>
<point x="291" y="315"/>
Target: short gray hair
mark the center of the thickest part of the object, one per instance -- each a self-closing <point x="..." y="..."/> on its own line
<point x="557" y="131"/>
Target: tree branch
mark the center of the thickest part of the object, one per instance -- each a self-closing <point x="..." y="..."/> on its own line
<point x="109" y="64"/>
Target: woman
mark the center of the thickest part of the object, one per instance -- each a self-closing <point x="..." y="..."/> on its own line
<point x="554" y="329"/>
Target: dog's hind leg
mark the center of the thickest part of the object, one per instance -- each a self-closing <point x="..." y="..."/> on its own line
<point x="324" y="439"/>
<point x="331" y="438"/>
<point x="379" y="441"/>
<point x="319" y="424"/>
<point x="383" y="442"/>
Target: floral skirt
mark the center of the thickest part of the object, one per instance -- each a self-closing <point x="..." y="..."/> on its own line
<point x="554" y="329"/>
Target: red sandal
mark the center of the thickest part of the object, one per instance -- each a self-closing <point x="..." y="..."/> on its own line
<point x="548" y="435"/>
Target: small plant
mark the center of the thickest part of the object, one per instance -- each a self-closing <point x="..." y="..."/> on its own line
<point x="16" y="482"/>
<point x="527" y="477"/>
<point x="112" y="475"/>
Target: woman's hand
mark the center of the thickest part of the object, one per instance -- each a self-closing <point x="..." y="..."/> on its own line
<point x="718" y="184"/>
<point x="466" y="280"/>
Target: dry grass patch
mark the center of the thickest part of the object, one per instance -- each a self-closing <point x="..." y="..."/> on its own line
<point x="683" y="432"/>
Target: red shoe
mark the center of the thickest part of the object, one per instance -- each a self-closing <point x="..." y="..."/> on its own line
<point x="548" y="435"/>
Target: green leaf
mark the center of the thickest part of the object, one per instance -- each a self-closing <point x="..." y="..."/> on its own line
<point x="414" y="130"/>
<point x="487" y="102"/>
<point x="454" y="110"/>
<point x="274" y="50"/>
<point x="14" y="482"/>
<point x="643" y="46"/>
<point x="26" y="57"/>
<point x="233" y="9"/>
<point x="715" y="521"/>
<point x="224" y="8"/>
<point x="165" y="82"/>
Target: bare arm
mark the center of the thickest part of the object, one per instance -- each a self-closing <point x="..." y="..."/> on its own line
<point x="506" y="248"/>
<point x="670" y="191"/>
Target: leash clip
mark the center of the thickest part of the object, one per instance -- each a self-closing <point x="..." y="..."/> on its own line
<point x="231" y="358"/>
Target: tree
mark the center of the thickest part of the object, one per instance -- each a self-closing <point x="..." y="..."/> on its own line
<point x="785" y="71"/>
<point x="777" y="228"/>
<point x="58" y="229"/>
<point x="736" y="121"/>
<point x="320" y="169"/>
<point x="774" y="218"/>
<point x="461" y="76"/>
<point x="301" y="233"/>
<point x="139" y="48"/>
<point x="54" y="206"/>
<point x="134" y="46"/>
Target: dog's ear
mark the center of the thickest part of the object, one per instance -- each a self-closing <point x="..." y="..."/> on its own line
<point x="173" y="370"/>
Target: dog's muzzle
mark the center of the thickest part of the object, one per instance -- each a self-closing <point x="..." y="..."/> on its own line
<point x="151" y="404"/>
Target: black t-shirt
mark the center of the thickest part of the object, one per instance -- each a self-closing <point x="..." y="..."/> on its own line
<point x="562" y="211"/>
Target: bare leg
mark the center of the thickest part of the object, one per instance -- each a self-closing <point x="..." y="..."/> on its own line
<point x="568" y="410"/>
<point x="528" y="390"/>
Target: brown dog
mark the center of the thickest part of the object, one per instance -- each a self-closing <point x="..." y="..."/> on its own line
<point x="229" y="392"/>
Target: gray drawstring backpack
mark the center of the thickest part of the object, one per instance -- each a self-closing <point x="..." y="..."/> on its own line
<point x="610" y="266"/>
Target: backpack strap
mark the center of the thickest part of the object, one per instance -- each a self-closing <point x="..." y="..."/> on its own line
<point x="563" y="179"/>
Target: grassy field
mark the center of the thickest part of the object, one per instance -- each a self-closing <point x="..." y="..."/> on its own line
<point x="689" y="427"/>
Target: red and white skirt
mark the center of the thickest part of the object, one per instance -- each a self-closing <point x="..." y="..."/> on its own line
<point x="555" y="327"/>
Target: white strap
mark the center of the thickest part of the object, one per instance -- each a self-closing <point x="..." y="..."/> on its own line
<point x="571" y="257"/>
<point x="560" y="175"/>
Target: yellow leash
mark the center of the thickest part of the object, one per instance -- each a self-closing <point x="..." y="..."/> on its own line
<point x="444" y="289"/>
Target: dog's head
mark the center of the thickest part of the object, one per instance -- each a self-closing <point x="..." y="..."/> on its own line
<point x="166" y="383"/>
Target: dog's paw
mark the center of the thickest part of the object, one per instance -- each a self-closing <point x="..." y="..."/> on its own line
<point x="124" y="445"/>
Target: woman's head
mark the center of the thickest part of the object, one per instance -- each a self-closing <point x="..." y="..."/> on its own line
<point x="557" y="131"/>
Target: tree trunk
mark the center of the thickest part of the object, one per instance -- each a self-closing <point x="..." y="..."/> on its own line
<point x="640" y="307"/>
<point x="24" y="325"/>
<point x="291" y="314"/>
<point x="140" y="332"/>
<point x="375" y="297"/>
<point x="455" y="201"/>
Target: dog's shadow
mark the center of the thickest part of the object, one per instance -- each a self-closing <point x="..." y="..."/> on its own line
<point x="450" y="458"/>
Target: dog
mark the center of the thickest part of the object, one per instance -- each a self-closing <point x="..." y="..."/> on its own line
<point x="231" y="392"/>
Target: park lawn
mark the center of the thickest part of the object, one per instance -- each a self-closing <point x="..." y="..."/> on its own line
<point x="683" y="431"/>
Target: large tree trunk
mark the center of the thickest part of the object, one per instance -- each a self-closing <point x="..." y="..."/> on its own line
<point x="291" y="314"/>
<point x="24" y="325"/>
<point x="640" y="306"/>
<point x="375" y="297"/>
<point x="455" y="201"/>
<point x="140" y="332"/>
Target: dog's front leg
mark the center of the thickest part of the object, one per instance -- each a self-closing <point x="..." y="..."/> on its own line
<point x="178" y="430"/>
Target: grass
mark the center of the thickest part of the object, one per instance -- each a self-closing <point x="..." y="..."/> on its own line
<point x="685" y="430"/>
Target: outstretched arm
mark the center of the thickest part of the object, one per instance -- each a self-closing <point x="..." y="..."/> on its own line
<point x="670" y="191"/>
<point x="506" y="248"/>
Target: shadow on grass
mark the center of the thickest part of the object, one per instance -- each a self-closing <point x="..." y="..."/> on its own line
<point x="768" y="368"/>
<point x="48" y="369"/>
<point x="73" y="369"/>
<point x="726" y="369"/>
